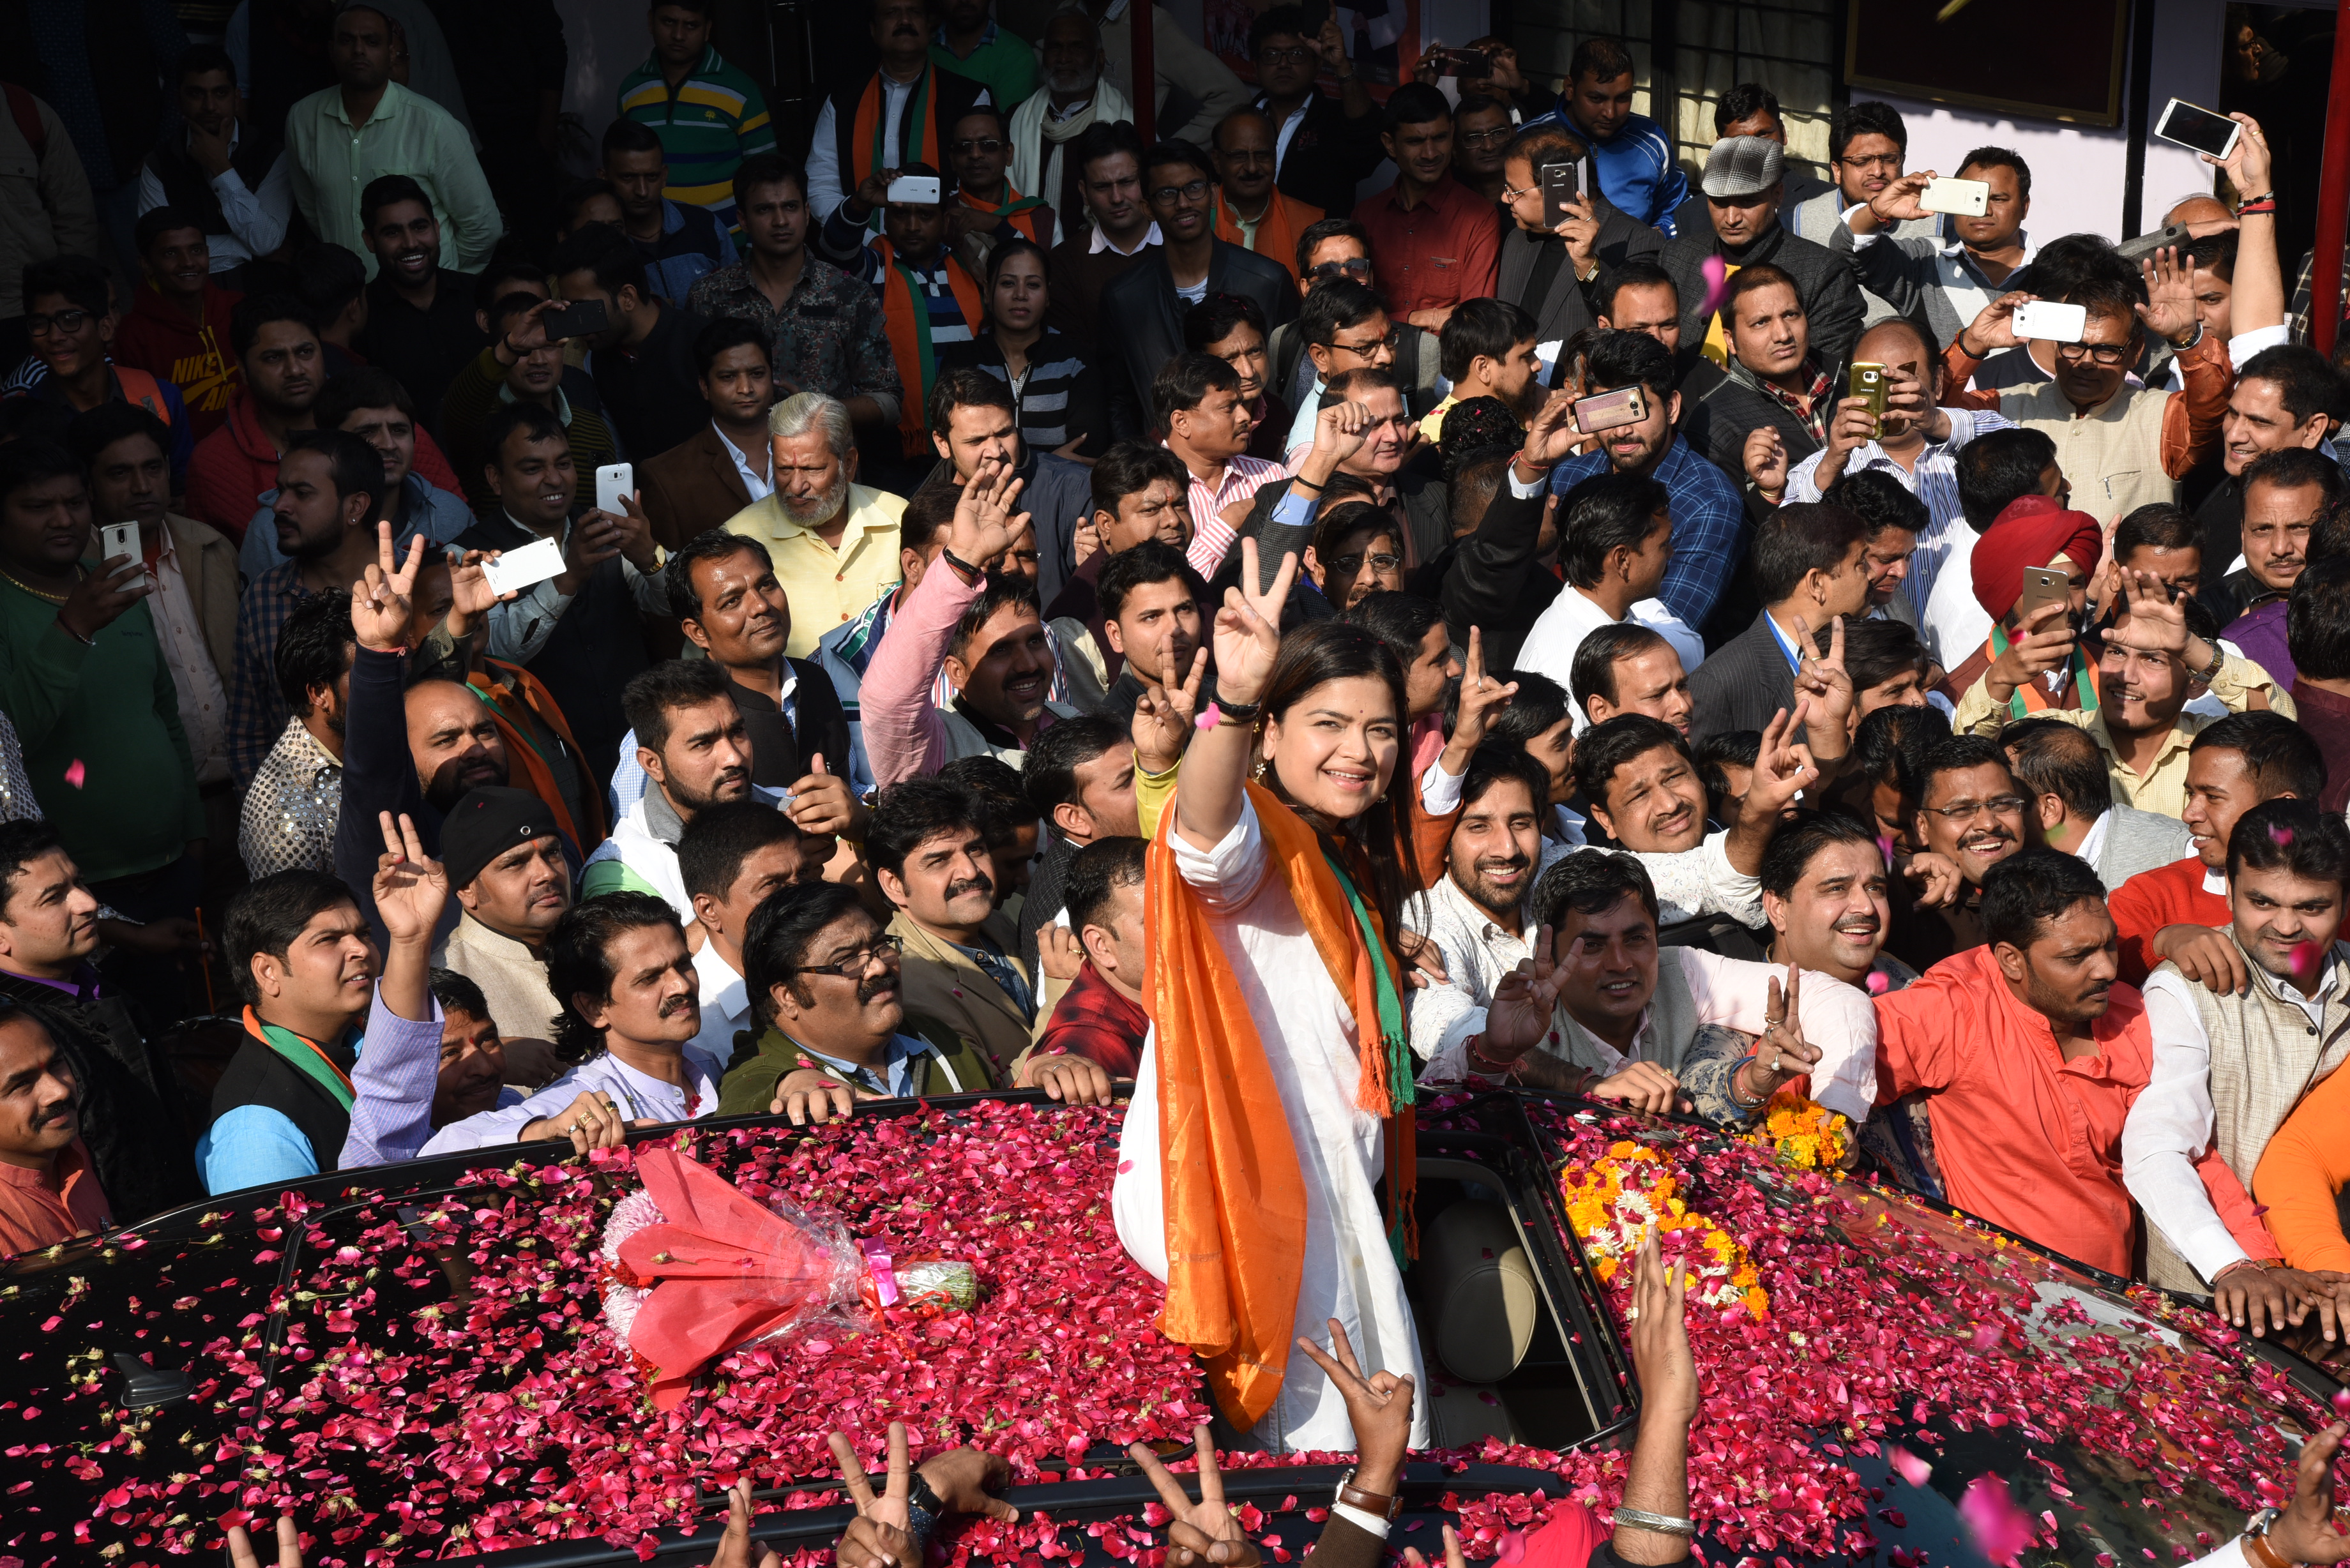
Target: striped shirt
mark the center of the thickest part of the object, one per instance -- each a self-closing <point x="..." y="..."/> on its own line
<point x="1934" y="481"/>
<point x="1057" y="401"/>
<point x="1211" y="534"/>
<point x="710" y="122"/>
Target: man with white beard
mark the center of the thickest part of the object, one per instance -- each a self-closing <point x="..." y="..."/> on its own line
<point x="834" y="541"/>
<point x="1073" y="96"/>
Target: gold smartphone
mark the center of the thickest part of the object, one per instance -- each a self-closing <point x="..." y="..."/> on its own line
<point x="1866" y="381"/>
<point x="2042" y="584"/>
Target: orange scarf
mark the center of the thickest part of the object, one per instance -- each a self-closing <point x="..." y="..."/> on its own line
<point x="1026" y="213"/>
<point x="906" y="314"/>
<point x="504" y="683"/>
<point x="919" y="145"/>
<point x="1277" y="236"/>
<point x="1235" y="1194"/>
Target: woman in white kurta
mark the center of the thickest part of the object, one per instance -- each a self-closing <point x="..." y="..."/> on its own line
<point x="1332" y="722"/>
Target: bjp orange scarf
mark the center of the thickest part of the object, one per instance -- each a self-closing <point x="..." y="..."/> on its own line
<point x="502" y="683"/>
<point x="1277" y="236"/>
<point x="1235" y="1194"/>
<point x="919" y="145"/>
<point x="906" y="316"/>
<point x="1025" y="213"/>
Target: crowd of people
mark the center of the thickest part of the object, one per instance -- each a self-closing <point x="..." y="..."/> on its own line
<point x="1029" y="608"/>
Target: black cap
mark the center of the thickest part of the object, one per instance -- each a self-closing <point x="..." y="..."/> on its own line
<point x="487" y="822"/>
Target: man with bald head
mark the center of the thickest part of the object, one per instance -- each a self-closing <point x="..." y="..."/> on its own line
<point x="1250" y="210"/>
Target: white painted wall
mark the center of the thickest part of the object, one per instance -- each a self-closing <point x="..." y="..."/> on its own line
<point x="2077" y="171"/>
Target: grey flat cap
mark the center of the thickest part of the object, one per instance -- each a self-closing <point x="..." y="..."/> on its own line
<point x="1742" y="166"/>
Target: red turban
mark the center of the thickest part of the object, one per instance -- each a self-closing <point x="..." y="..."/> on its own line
<point x="2033" y="531"/>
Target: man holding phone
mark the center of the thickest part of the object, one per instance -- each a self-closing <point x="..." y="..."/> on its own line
<point x="1552" y="256"/>
<point x="1323" y="146"/>
<point x="643" y="359"/>
<point x="1949" y="281"/>
<point x="1638" y="171"/>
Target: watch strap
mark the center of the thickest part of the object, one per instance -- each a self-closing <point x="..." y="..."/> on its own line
<point x="1373" y="1502"/>
<point x="2256" y="1538"/>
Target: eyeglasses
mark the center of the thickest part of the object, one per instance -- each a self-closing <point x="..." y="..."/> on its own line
<point x="65" y="321"/>
<point x="2106" y="355"/>
<point x="1889" y="161"/>
<point x="1493" y="138"/>
<point x="1353" y="266"/>
<point x="888" y="948"/>
<point x="1190" y="193"/>
<point x="1365" y="350"/>
<point x="979" y="144"/>
<point x="1967" y="810"/>
<point x="1382" y="562"/>
<point x="1296" y="54"/>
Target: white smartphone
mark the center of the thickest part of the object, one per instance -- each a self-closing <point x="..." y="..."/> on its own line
<point x="2187" y="126"/>
<point x="515" y="570"/>
<point x="2050" y="322"/>
<point x="613" y="481"/>
<point x="120" y="542"/>
<point x="915" y="190"/>
<point x="1967" y="198"/>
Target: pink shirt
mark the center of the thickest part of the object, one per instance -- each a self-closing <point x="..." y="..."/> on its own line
<point x="1211" y="534"/>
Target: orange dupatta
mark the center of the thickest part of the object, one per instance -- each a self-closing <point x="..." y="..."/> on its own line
<point x="1234" y="1191"/>
<point x="1277" y="236"/>
<point x="1021" y="212"/>
<point x="920" y="145"/>
<point x="503" y="682"/>
<point x="907" y="322"/>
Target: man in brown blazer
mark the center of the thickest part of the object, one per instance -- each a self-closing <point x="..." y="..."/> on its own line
<point x="727" y="464"/>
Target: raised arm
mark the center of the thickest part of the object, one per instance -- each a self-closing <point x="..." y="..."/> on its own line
<point x="396" y="1074"/>
<point x="1247" y="639"/>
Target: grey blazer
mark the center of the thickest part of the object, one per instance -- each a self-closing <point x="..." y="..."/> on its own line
<point x="2139" y="841"/>
<point x="1743" y="684"/>
<point x="1563" y="311"/>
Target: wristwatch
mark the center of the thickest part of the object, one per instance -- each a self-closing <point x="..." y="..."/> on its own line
<point x="2256" y="1536"/>
<point x="1372" y="1502"/>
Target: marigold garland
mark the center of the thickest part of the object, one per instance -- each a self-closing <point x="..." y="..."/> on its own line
<point x="1803" y="1133"/>
<point x="1614" y="1201"/>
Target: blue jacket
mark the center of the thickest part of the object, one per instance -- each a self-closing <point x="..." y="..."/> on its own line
<point x="1637" y="171"/>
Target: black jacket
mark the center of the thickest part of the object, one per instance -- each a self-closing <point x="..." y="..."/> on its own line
<point x="1494" y="583"/>
<point x="1823" y="280"/>
<point x="781" y="755"/>
<point x="1142" y="324"/>
<point x="1329" y="155"/>
<point x="957" y="94"/>
<point x="1721" y="418"/>
<point x="258" y="1075"/>
<point x="1743" y="684"/>
<point x="131" y="1109"/>
<point x="1566" y="308"/>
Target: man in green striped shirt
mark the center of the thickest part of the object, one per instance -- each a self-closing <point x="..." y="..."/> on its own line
<point x="709" y="115"/>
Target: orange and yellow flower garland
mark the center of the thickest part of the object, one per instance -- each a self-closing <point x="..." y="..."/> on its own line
<point x="1614" y="1202"/>
<point x="1804" y="1135"/>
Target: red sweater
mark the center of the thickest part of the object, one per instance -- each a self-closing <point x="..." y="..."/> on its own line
<point x="157" y="337"/>
<point x="2168" y="895"/>
<point x="1093" y="1020"/>
<point x="234" y="465"/>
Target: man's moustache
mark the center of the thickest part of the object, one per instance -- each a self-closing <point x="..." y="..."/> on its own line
<point x="875" y="985"/>
<point x="969" y="884"/>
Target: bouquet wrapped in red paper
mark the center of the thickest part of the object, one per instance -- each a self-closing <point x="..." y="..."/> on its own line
<point x="694" y="1269"/>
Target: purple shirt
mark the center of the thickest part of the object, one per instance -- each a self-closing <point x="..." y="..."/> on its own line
<point x="2260" y="634"/>
<point x="397" y="1069"/>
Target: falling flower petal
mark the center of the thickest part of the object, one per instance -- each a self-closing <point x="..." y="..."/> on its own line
<point x="2001" y="1530"/>
<point x="1210" y="717"/>
<point x="1717" y="285"/>
<point x="2281" y="836"/>
<point x="1914" y="1470"/>
<point x="75" y="772"/>
<point x="1878" y="984"/>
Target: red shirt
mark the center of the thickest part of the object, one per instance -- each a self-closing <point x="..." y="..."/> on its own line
<point x="41" y="1208"/>
<point x="2027" y="1139"/>
<point x="1442" y="252"/>
<point x="1093" y="1020"/>
<point x="2170" y="895"/>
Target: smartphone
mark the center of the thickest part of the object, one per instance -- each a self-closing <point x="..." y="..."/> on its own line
<point x="2145" y="245"/>
<point x="120" y="542"/>
<point x="913" y="190"/>
<point x="1866" y="381"/>
<point x="2042" y="584"/>
<point x="1471" y="64"/>
<point x="1560" y="187"/>
<point x="1967" y="198"/>
<point x="2050" y="322"/>
<point x="613" y="481"/>
<point x="515" y="570"/>
<point x="1607" y="410"/>
<point x="577" y="318"/>
<point x="2200" y="128"/>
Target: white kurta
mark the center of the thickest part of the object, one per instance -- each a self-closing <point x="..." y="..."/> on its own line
<point x="1307" y="1030"/>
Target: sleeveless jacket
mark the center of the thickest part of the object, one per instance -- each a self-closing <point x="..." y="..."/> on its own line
<point x="258" y="1075"/>
<point x="2265" y="1055"/>
<point x="188" y="188"/>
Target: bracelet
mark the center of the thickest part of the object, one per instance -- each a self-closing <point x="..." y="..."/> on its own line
<point x="85" y="641"/>
<point x="2266" y="199"/>
<point x="1659" y="1524"/>
<point x="2256" y="1536"/>
<point x="964" y="569"/>
<point x="1301" y="479"/>
<point x="1735" y="1097"/>
<point x="1473" y="1047"/>
<point x="1240" y="712"/>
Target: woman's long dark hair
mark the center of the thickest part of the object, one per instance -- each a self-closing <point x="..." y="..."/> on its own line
<point x="1375" y="848"/>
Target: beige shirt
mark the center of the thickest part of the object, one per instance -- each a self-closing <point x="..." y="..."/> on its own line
<point x="204" y="703"/>
<point x="827" y="587"/>
<point x="512" y="978"/>
<point x="2163" y="786"/>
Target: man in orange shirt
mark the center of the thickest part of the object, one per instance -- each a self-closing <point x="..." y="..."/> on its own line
<point x="2170" y="912"/>
<point x="1434" y="242"/>
<point x="47" y="1190"/>
<point x="2028" y="1055"/>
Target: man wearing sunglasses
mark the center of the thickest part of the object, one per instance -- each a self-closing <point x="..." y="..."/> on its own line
<point x="1142" y="324"/>
<point x="1323" y="146"/>
<point x="987" y="204"/>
